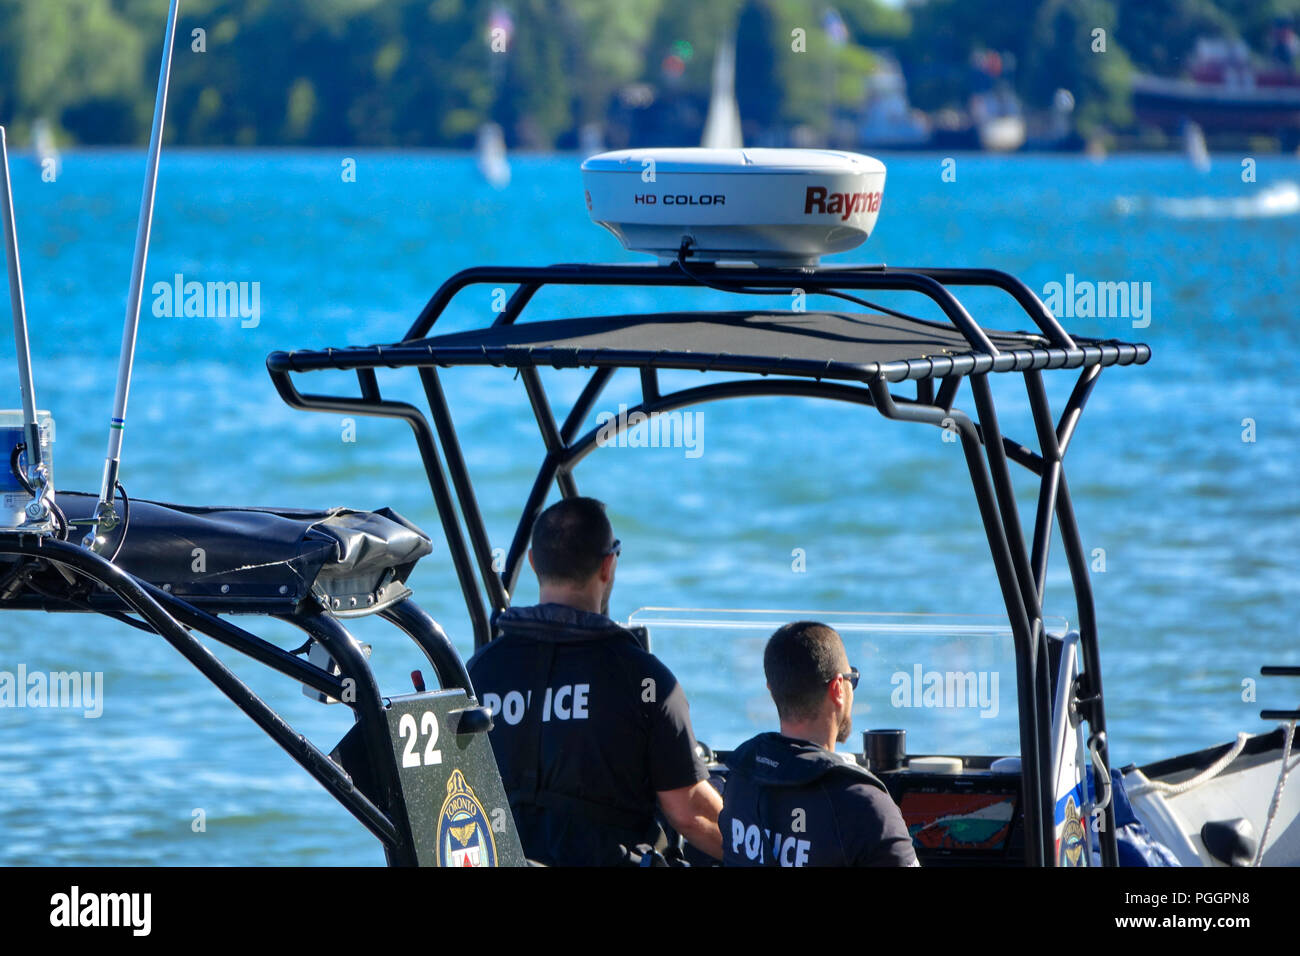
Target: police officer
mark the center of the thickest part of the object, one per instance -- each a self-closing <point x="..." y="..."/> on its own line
<point x="790" y="800"/>
<point x="590" y="730"/>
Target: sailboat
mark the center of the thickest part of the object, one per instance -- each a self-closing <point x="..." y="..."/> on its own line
<point x="492" y="161"/>
<point x="1194" y="146"/>
<point x="591" y="139"/>
<point x="722" y="125"/>
<point x="44" y="151"/>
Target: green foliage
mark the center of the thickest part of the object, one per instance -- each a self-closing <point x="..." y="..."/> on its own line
<point x="610" y="47"/>
<point x="421" y="72"/>
<point x="1170" y="29"/>
<point x="1061" y="54"/>
<point x="73" y="60"/>
<point x="799" y="79"/>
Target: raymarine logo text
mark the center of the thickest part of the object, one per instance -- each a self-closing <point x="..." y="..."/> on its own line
<point x="820" y="199"/>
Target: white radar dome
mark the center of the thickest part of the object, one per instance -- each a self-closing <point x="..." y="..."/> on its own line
<point x="784" y="207"/>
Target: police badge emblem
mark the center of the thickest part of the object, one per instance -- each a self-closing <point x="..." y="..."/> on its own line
<point x="1072" y="840"/>
<point x="464" y="833"/>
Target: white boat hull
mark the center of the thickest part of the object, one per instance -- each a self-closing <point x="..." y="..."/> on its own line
<point x="1243" y="789"/>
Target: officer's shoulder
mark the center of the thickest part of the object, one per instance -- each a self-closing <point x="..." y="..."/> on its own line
<point x="635" y="654"/>
<point x="851" y="790"/>
<point x="637" y="665"/>
<point x="489" y="652"/>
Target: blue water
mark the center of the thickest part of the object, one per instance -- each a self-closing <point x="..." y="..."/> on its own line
<point x="1198" y="527"/>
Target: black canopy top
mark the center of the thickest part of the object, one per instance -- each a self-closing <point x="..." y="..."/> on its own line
<point x="828" y="345"/>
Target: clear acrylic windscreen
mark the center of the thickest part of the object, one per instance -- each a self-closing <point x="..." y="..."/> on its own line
<point x="948" y="680"/>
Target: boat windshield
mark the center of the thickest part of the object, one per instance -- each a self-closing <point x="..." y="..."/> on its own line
<point x="948" y="680"/>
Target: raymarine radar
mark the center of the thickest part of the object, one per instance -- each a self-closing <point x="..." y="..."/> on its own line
<point x="782" y="207"/>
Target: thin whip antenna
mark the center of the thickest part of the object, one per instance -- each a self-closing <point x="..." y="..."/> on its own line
<point x="37" y="510"/>
<point x="105" y="514"/>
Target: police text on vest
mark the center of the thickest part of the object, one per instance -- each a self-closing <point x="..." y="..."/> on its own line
<point x="787" y="851"/>
<point x="566" y="702"/>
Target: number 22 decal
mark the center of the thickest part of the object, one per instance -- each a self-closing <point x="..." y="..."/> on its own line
<point x="406" y="729"/>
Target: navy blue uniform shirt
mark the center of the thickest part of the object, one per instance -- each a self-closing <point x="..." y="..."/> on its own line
<point x="588" y="727"/>
<point x="791" y="802"/>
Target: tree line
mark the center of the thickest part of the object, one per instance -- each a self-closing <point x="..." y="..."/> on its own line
<point x="431" y="72"/>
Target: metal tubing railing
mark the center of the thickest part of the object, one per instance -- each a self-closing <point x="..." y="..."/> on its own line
<point x="1026" y="640"/>
<point x="577" y="448"/>
<point x="371" y="714"/>
<point x="1089" y="646"/>
<point x="1004" y="492"/>
<point x="1033" y="306"/>
<point x="134" y="595"/>
<point x="813" y="282"/>
<point x="456" y="467"/>
<point x="433" y="641"/>
<point x="547" y="426"/>
<point x="459" y="551"/>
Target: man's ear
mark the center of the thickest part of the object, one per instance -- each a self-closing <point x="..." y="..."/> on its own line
<point x="835" y="690"/>
<point x="606" y="568"/>
<point x="530" y="561"/>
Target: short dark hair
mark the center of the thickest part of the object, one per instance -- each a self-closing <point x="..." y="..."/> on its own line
<point x="571" y="539"/>
<point x="800" y="660"/>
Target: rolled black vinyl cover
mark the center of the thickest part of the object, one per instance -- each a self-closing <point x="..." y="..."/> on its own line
<point x="236" y="558"/>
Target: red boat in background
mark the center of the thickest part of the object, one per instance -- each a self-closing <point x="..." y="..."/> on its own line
<point x="1228" y="92"/>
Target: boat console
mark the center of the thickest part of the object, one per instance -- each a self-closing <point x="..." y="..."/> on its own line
<point x="972" y="818"/>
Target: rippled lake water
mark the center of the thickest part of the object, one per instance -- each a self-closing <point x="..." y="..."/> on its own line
<point x="1197" y="527"/>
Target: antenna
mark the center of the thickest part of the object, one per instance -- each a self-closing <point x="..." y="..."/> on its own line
<point x="37" y="476"/>
<point x="105" y="514"/>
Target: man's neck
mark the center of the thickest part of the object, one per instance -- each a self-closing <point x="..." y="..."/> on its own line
<point x="819" y="732"/>
<point x="569" y="597"/>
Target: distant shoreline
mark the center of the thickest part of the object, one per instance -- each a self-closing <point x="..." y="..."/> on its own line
<point x="1124" y="150"/>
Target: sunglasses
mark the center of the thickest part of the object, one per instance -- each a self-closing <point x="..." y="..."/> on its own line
<point x="615" y="549"/>
<point x="852" y="677"/>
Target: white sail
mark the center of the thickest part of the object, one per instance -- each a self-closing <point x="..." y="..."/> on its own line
<point x="722" y="126"/>
<point x="47" y="154"/>
<point x="591" y="139"/>
<point x="1194" y="146"/>
<point x="492" y="162"/>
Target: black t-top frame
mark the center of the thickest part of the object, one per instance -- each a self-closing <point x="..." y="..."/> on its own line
<point x="839" y="356"/>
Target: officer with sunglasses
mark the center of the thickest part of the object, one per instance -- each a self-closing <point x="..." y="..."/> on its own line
<point x="790" y="800"/>
<point x="591" y="732"/>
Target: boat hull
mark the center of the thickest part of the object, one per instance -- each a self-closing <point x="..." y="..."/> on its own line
<point x="1190" y="797"/>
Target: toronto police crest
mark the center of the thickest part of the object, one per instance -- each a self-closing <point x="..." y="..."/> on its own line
<point x="464" y="833"/>
<point x="1073" y="837"/>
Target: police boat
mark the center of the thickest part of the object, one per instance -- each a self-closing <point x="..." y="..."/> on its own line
<point x="755" y="222"/>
